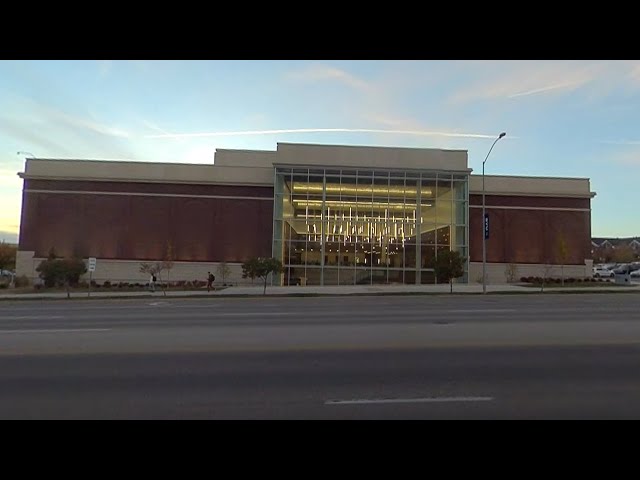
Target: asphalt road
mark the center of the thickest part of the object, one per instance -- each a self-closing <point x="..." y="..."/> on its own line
<point x="414" y="357"/>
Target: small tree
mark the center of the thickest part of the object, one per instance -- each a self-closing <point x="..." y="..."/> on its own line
<point x="510" y="273"/>
<point x="563" y="254"/>
<point x="153" y="269"/>
<point x="167" y="264"/>
<point x="7" y="256"/>
<point x="624" y="254"/>
<point x="61" y="271"/>
<point x="224" y="270"/>
<point x="261" y="268"/>
<point x="546" y="273"/>
<point x="448" y="265"/>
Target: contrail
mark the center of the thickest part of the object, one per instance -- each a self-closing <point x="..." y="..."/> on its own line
<point x="322" y="130"/>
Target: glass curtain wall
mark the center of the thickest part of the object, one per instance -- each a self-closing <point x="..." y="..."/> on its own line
<point x="365" y="227"/>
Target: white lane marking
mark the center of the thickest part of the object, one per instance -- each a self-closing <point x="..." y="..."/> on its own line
<point x="31" y="317"/>
<point x="409" y="400"/>
<point x="494" y="310"/>
<point x="155" y="304"/>
<point x="57" y="330"/>
<point x="255" y="314"/>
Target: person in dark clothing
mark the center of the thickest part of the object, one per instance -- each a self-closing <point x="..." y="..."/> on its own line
<point x="210" y="279"/>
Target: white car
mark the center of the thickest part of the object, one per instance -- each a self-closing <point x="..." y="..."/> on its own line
<point x="602" y="272"/>
<point x="635" y="273"/>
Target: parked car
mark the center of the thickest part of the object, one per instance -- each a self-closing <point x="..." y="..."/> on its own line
<point x="635" y="273"/>
<point x="602" y="272"/>
<point x="622" y="269"/>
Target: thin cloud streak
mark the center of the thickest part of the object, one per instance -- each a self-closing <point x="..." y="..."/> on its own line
<point x="621" y="142"/>
<point x="544" y="89"/>
<point x="325" y="130"/>
<point x="320" y="72"/>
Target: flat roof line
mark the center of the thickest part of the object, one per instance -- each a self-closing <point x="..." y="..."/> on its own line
<point x="333" y="145"/>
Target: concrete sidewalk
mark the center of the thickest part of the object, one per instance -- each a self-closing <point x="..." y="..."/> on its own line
<point x="329" y="291"/>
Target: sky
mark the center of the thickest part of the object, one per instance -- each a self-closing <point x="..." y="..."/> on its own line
<point x="562" y="118"/>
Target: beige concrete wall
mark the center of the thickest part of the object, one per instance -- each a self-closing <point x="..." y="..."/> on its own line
<point x="26" y="265"/>
<point x="147" y="172"/>
<point x="496" y="271"/>
<point x="372" y="157"/>
<point x="129" y="271"/>
<point x="517" y="185"/>
<point x="245" y="158"/>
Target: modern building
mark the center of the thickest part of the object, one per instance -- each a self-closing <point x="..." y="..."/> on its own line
<point x="334" y="215"/>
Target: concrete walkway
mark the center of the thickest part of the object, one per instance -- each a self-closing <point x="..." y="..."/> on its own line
<point x="332" y="290"/>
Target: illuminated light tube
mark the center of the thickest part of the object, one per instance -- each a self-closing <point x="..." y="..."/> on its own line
<point x="355" y="190"/>
<point x="334" y="203"/>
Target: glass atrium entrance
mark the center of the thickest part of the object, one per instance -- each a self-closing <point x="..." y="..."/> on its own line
<point x="353" y="226"/>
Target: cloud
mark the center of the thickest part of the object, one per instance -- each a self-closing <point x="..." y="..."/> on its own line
<point x="48" y="131"/>
<point x="104" y="67"/>
<point x="153" y="126"/>
<point x="511" y="80"/>
<point x="621" y="142"/>
<point x="628" y="154"/>
<point x="321" y="72"/>
<point x="34" y="138"/>
<point x="325" y="130"/>
<point x="84" y="123"/>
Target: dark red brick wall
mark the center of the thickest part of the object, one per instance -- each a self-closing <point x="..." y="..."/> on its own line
<point x="520" y="201"/>
<point x="139" y="227"/>
<point x="232" y="229"/>
<point x="530" y="236"/>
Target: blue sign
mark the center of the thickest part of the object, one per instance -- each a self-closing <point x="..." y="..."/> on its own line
<point x="486" y="225"/>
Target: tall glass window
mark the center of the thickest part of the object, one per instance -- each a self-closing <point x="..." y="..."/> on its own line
<point x="353" y="227"/>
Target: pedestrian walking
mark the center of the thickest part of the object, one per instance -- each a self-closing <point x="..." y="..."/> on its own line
<point x="152" y="283"/>
<point x="210" y="279"/>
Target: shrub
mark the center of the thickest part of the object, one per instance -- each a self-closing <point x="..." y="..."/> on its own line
<point x="61" y="271"/>
<point x="22" y="281"/>
<point x="524" y="279"/>
<point x="106" y="284"/>
<point x="4" y="285"/>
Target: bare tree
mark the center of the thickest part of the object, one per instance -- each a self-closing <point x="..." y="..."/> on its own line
<point x="546" y="273"/>
<point x="511" y="272"/>
<point x="224" y="271"/>
<point x="167" y="264"/>
<point x="563" y="254"/>
<point x="623" y="254"/>
<point x="153" y="269"/>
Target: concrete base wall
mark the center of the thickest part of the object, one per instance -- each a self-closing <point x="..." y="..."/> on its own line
<point x="129" y="271"/>
<point x="496" y="272"/>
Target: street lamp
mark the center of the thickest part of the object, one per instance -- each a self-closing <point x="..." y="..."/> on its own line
<point x="484" y="220"/>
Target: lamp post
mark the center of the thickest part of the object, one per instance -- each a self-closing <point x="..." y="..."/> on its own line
<point x="484" y="226"/>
